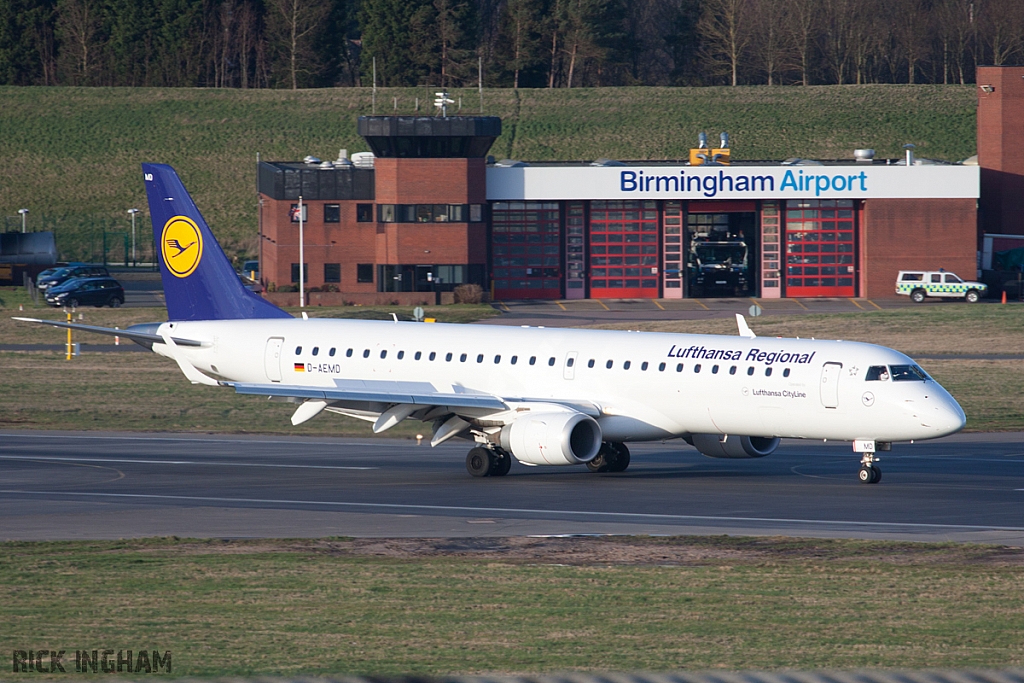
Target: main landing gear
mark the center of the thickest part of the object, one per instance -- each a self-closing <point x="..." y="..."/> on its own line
<point x="613" y="457"/>
<point x="488" y="462"/>
<point x="869" y="472"/>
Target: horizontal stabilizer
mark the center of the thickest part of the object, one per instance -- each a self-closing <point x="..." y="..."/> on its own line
<point x="144" y="338"/>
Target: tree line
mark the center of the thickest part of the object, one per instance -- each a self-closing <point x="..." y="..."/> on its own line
<point x="506" y="43"/>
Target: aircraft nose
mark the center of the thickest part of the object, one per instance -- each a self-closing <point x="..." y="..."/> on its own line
<point x="949" y="417"/>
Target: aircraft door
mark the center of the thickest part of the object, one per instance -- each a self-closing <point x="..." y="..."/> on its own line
<point x="272" y="359"/>
<point x="830" y="384"/>
<point x="569" y="369"/>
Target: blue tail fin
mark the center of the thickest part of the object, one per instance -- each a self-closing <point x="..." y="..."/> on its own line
<point x="199" y="282"/>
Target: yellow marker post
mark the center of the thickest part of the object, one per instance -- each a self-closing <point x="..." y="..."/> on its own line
<point x="69" y="338"/>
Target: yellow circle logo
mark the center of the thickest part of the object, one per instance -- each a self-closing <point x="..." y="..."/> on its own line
<point x="182" y="246"/>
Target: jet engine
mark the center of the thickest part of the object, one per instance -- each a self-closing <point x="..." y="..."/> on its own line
<point x="555" y="437"/>
<point x="731" y="446"/>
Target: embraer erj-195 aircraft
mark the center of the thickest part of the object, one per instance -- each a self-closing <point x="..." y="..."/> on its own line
<point x="541" y="396"/>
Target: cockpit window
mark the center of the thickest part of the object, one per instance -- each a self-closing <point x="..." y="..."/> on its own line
<point x="907" y="373"/>
<point x="877" y="373"/>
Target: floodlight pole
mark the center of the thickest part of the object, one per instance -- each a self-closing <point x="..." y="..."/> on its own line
<point x="23" y="212"/>
<point x="302" y="260"/>
<point x="132" y="213"/>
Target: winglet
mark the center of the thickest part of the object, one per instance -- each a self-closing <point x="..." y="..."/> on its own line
<point x="745" y="330"/>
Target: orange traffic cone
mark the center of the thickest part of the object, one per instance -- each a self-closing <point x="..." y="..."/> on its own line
<point x="1004" y="296"/>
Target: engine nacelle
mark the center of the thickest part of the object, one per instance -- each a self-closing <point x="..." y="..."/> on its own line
<point x="556" y="437"/>
<point x="731" y="446"/>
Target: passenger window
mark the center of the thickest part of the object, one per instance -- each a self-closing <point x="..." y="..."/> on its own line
<point x="936" y="278"/>
<point x="551" y="361"/>
<point x="767" y="372"/>
<point x="609" y="364"/>
<point x="750" y="370"/>
<point x="480" y="358"/>
<point x="877" y="373"/>
<point x="569" y="362"/>
<point x="513" y="360"/>
<point x="298" y="350"/>
<point x="331" y="352"/>
<point x="316" y="350"/>
<point x="696" y="368"/>
<point x="366" y="353"/>
<point x="448" y="356"/>
<point x="714" y="369"/>
<point x="383" y="354"/>
<point x="419" y="354"/>
<point x="401" y="355"/>
<point x="497" y="359"/>
<point x="785" y="373"/>
<point x="661" y="367"/>
<point x="950" y="278"/>
<point x="462" y="358"/>
<point x="679" y="368"/>
<point x="590" y="363"/>
<point x="732" y="370"/>
<point x="433" y="355"/>
<point x="348" y="354"/>
<point x="625" y="366"/>
<point x="533" y="360"/>
<point x="643" y="366"/>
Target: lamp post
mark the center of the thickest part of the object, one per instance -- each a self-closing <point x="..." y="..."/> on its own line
<point x="23" y="212"/>
<point x="132" y="213"/>
<point x="302" y="255"/>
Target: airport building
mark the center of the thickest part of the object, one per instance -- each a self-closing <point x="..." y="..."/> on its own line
<point x="428" y="210"/>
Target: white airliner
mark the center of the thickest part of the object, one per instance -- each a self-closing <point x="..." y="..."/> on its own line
<point x="541" y="396"/>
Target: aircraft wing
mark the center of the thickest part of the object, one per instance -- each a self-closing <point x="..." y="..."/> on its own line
<point x="146" y="339"/>
<point x="409" y="393"/>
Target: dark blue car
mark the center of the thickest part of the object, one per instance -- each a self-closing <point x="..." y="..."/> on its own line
<point x="93" y="291"/>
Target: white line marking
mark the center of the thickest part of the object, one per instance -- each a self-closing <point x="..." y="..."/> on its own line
<point x="182" y="462"/>
<point x="187" y="440"/>
<point x="51" y="495"/>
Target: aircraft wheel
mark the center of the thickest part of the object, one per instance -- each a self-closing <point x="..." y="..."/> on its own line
<point x="501" y="463"/>
<point x="621" y="460"/>
<point x="601" y="461"/>
<point x="478" y="462"/>
<point x="866" y="475"/>
<point x="876" y="474"/>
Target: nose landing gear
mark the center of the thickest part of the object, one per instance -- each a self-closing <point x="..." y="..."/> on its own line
<point x="869" y="471"/>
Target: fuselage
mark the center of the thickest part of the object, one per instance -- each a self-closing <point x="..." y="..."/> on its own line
<point x="642" y="386"/>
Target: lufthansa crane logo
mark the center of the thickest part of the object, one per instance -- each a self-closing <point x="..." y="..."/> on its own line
<point x="182" y="246"/>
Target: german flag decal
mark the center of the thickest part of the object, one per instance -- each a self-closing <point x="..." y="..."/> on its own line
<point x="300" y="367"/>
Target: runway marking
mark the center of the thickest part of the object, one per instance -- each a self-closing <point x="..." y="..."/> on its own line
<point x="182" y="462"/>
<point x="173" y="438"/>
<point x="52" y="495"/>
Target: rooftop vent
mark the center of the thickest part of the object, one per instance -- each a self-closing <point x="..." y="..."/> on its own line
<point x="606" y="162"/>
<point x="864" y="155"/>
<point x="510" y="163"/>
<point x="342" y="161"/>
<point x="310" y="159"/>
<point x="363" y="159"/>
<point x="326" y="165"/>
<point x="797" y="161"/>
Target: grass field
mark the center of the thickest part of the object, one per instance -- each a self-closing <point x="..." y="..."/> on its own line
<point x="72" y="155"/>
<point x="142" y="391"/>
<point x="339" y="606"/>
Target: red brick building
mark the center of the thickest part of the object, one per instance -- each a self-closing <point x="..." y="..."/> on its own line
<point x="428" y="210"/>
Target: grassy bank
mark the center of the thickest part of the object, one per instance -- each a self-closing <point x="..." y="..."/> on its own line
<point x="72" y="154"/>
<point x="518" y="605"/>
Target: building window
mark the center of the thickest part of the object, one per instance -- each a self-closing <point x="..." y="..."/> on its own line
<point x="364" y="272"/>
<point x="305" y="272"/>
<point x="332" y="213"/>
<point x="332" y="272"/>
<point x="364" y="213"/>
<point x="293" y="213"/>
<point x="476" y="213"/>
<point x="385" y="213"/>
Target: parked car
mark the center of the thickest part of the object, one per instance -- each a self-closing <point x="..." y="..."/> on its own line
<point x="92" y="291"/>
<point x="68" y="272"/>
<point x="922" y="284"/>
<point x="251" y="270"/>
